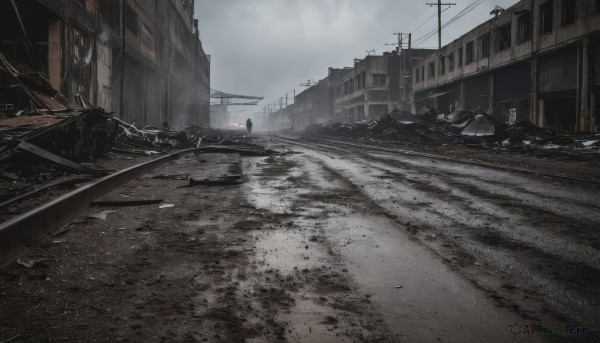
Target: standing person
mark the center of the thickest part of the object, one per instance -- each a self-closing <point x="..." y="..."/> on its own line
<point x="249" y="126"/>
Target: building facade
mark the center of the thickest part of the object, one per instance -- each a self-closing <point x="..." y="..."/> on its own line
<point x="375" y="85"/>
<point x="141" y="59"/>
<point x="537" y="61"/>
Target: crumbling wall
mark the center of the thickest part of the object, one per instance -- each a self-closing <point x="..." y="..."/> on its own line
<point x="104" y="64"/>
<point x="80" y="63"/>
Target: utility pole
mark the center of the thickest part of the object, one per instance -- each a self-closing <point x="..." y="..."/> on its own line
<point x="439" y="6"/>
<point x="122" y="102"/>
<point x="294" y="111"/>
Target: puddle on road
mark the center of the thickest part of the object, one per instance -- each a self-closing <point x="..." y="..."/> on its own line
<point x="411" y="286"/>
<point x="286" y="250"/>
<point x="311" y="322"/>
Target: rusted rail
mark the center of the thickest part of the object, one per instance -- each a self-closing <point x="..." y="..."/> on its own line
<point x="20" y="232"/>
<point x="450" y="159"/>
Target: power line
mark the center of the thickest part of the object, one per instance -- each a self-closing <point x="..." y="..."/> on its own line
<point x="414" y="20"/>
<point x="471" y="6"/>
<point x="434" y="31"/>
<point x="431" y="33"/>
<point x="427" y="20"/>
<point x="439" y="7"/>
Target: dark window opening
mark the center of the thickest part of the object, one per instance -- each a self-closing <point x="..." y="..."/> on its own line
<point x="524" y="28"/>
<point x="460" y="57"/>
<point x="423" y="73"/>
<point x="379" y="80"/>
<point x="469" y="53"/>
<point x="348" y="87"/>
<point x="597" y="6"/>
<point x="546" y="15"/>
<point x="431" y="70"/>
<point x="442" y="65"/>
<point x="569" y="12"/>
<point x="131" y="20"/>
<point x="451" y="61"/>
<point x="417" y="74"/>
<point x="560" y="114"/>
<point x="484" y="48"/>
<point x="110" y="13"/>
<point x="503" y="37"/>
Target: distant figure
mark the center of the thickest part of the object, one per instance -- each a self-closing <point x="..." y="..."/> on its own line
<point x="249" y="126"/>
<point x="451" y="109"/>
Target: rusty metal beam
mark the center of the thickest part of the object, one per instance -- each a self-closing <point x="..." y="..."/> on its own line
<point x="17" y="234"/>
<point x="47" y="155"/>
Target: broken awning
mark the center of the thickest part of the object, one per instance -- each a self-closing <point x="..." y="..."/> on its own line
<point x="435" y="95"/>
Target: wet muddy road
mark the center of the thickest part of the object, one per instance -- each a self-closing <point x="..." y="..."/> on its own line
<point x="499" y="245"/>
<point x="318" y="243"/>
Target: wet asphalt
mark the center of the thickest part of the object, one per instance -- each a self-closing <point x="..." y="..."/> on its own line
<point x="445" y="250"/>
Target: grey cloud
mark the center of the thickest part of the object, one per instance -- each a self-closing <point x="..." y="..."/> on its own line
<point x="268" y="47"/>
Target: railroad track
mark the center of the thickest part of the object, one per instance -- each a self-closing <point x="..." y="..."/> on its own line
<point x="20" y="232"/>
<point x="452" y="159"/>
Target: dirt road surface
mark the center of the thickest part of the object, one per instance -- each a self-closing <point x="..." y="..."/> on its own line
<point x="318" y="243"/>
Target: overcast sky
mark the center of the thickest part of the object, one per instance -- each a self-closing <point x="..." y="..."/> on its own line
<point x="268" y="47"/>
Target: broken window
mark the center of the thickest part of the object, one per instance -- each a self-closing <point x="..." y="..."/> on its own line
<point x="442" y="65"/>
<point x="484" y="46"/>
<point x="451" y="61"/>
<point x="503" y="37"/>
<point x="431" y="70"/>
<point x="524" y="28"/>
<point x="131" y="20"/>
<point x="460" y="57"/>
<point x="469" y="57"/>
<point x="379" y="80"/>
<point x="546" y="15"/>
<point x="569" y="11"/>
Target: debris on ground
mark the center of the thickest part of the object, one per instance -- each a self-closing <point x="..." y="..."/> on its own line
<point x="45" y="139"/>
<point x="42" y="134"/>
<point x="474" y="128"/>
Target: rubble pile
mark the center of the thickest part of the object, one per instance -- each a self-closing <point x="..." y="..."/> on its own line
<point x="28" y="142"/>
<point x="148" y="140"/>
<point x="475" y="128"/>
<point x="43" y="135"/>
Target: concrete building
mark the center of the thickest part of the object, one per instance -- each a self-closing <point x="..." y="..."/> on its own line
<point x="376" y="85"/>
<point x="78" y="45"/>
<point x="537" y="61"/>
<point x="313" y="104"/>
<point x="351" y="94"/>
<point x="368" y="90"/>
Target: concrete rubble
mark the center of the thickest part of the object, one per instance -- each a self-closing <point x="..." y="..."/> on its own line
<point x="44" y="136"/>
<point x="474" y="128"/>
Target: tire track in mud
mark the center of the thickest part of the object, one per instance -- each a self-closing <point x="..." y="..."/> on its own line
<point x="347" y="217"/>
<point x="532" y="271"/>
<point x="325" y="304"/>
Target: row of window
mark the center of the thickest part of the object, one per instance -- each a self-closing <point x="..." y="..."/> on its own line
<point x="503" y="37"/>
<point x="359" y="82"/>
